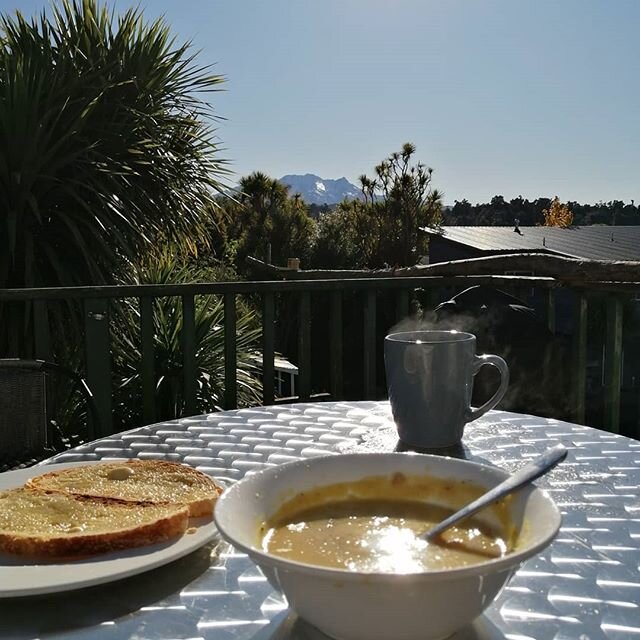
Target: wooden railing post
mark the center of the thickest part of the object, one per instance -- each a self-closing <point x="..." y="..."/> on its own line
<point x="98" y="360"/>
<point x="551" y="310"/>
<point x="268" y="348"/>
<point x="189" y="354"/>
<point x="402" y="305"/>
<point x="42" y="337"/>
<point x="433" y="298"/>
<point x="230" y="352"/>
<point x="580" y="357"/>
<point x="148" y="360"/>
<point x="335" y="346"/>
<point x="613" y="364"/>
<point x="369" y="344"/>
<point x="304" y="345"/>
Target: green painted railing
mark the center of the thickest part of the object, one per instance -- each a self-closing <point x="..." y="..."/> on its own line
<point x="96" y="303"/>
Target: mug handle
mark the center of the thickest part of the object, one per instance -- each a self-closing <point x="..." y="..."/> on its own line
<point x="501" y="365"/>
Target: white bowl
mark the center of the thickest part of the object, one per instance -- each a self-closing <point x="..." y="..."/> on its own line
<point x="381" y="606"/>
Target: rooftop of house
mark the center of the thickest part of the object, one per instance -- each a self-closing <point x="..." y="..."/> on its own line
<point x="596" y="242"/>
<point x="279" y="364"/>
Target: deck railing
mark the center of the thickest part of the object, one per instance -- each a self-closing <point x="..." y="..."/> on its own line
<point x="96" y="303"/>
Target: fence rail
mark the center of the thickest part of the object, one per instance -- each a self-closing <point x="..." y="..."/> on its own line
<point x="97" y="302"/>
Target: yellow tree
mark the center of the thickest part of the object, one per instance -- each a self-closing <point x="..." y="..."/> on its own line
<point x="557" y="215"/>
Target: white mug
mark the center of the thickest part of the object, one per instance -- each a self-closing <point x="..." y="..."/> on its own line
<point x="430" y="382"/>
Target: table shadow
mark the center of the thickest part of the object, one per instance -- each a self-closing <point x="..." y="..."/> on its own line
<point x="35" y="616"/>
<point x="460" y="451"/>
<point x="456" y="451"/>
<point x="288" y="626"/>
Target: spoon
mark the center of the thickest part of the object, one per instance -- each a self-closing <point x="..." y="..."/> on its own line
<point x="538" y="467"/>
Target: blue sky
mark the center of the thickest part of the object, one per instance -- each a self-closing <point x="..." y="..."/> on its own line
<point x="530" y="97"/>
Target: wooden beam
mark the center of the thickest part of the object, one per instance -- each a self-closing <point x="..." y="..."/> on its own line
<point x="542" y="264"/>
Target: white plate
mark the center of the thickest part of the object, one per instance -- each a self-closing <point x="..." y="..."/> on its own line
<point x="21" y="577"/>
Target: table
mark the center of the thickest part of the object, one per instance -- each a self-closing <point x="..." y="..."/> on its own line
<point x="585" y="586"/>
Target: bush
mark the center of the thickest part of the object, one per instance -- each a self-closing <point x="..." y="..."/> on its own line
<point x="106" y="146"/>
<point x="164" y="268"/>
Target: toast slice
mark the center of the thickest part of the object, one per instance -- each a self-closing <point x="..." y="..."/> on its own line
<point x="37" y="523"/>
<point x="155" y="481"/>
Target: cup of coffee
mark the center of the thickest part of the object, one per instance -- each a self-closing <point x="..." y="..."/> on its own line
<point x="430" y="381"/>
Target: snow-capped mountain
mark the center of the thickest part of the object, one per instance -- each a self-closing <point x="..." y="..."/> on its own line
<point x="316" y="190"/>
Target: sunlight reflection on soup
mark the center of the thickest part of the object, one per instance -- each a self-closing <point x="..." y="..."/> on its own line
<point x="374" y="526"/>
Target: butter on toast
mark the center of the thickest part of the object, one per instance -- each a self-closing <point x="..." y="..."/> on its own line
<point x="40" y="523"/>
<point x="155" y="481"/>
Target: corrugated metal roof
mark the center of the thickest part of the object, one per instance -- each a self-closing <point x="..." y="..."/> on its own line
<point x="596" y="242"/>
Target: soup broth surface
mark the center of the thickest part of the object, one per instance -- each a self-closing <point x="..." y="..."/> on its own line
<point x="347" y="526"/>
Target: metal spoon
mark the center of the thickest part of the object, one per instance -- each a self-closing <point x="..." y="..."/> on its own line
<point x="538" y="467"/>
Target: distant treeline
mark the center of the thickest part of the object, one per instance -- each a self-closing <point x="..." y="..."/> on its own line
<point x="530" y="212"/>
<point x="501" y="212"/>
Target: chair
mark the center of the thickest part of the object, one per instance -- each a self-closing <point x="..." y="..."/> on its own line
<point x="28" y="430"/>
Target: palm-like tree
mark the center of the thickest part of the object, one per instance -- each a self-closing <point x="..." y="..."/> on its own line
<point x="104" y="143"/>
<point x="266" y="215"/>
<point x="262" y="196"/>
<point x="162" y="267"/>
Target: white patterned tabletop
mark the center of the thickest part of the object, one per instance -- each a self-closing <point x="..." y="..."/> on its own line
<point x="585" y="586"/>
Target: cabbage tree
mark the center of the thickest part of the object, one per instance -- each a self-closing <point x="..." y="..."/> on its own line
<point x="106" y="143"/>
<point x="165" y="267"/>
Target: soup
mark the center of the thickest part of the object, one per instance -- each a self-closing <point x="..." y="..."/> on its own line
<point x="374" y="524"/>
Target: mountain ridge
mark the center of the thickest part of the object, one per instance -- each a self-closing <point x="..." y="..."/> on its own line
<point x="316" y="190"/>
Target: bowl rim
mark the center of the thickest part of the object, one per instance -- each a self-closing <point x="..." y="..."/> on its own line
<point x="495" y="565"/>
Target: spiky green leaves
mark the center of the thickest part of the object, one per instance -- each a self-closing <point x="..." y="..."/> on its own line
<point x="105" y="143"/>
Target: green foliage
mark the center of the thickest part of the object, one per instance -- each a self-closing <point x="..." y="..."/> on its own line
<point x="407" y="203"/>
<point x="383" y="229"/>
<point x="105" y="145"/>
<point x="163" y="267"/>
<point x="499" y="212"/>
<point x="292" y="233"/>
<point x="264" y="219"/>
<point x="347" y="237"/>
